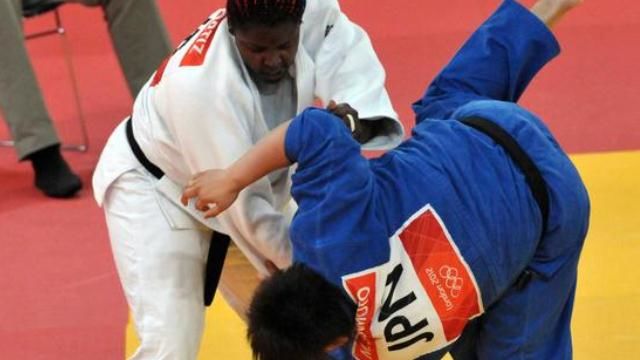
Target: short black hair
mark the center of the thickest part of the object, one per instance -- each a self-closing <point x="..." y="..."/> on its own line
<point x="264" y="12"/>
<point x="296" y="313"/>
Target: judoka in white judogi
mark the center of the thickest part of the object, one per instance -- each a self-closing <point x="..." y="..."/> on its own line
<point x="201" y="110"/>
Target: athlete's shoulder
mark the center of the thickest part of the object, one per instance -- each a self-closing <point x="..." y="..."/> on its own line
<point x="489" y="109"/>
<point x="198" y="56"/>
<point x="321" y="5"/>
<point x="194" y="49"/>
<point x="318" y="10"/>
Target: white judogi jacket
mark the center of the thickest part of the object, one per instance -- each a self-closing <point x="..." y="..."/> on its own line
<point x="201" y="110"/>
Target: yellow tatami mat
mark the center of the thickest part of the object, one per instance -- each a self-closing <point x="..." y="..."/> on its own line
<point x="606" y="323"/>
<point x="224" y="336"/>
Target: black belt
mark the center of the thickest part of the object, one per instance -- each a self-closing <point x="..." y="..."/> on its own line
<point x="532" y="175"/>
<point x="534" y="179"/>
<point x="219" y="241"/>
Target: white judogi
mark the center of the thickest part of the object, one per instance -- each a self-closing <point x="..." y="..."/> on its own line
<point x="200" y="111"/>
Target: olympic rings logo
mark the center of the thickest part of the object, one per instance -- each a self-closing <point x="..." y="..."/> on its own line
<point x="451" y="280"/>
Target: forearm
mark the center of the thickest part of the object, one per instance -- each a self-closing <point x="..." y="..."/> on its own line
<point x="497" y="62"/>
<point x="372" y="127"/>
<point x="552" y="11"/>
<point x="266" y="156"/>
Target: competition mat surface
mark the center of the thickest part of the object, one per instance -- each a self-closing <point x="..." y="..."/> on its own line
<point x="60" y="297"/>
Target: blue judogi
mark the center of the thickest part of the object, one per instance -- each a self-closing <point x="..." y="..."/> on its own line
<point x="350" y="207"/>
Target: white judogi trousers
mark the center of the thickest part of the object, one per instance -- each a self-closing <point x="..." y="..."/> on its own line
<point x="161" y="269"/>
<point x="161" y="264"/>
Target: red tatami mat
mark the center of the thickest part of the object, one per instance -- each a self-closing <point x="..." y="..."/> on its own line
<point x="59" y="295"/>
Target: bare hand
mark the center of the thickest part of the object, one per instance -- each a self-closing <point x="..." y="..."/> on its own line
<point x="349" y="116"/>
<point x="214" y="189"/>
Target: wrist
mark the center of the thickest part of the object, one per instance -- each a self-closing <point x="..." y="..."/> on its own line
<point x="551" y="11"/>
<point x="235" y="180"/>
<point x="366" y="131"/>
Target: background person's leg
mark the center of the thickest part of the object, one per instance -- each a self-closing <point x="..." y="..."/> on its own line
<point x="139" y="37"/>
<point x="161" y="269"/>
<point x="25" y="112"/>
<point x="20" y="97"/>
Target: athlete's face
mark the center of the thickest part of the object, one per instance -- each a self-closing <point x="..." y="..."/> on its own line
<point x="268" y="51"/>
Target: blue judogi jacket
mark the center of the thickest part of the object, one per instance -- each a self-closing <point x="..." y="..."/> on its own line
<point x="372" y="224"/>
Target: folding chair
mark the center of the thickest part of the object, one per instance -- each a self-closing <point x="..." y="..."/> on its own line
<point x="31" y="8"/>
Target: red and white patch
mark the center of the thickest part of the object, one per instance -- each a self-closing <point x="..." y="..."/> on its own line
<point x="197" y="52"/>
<point x="420" y="300"/>
<point x="160" y="72"/>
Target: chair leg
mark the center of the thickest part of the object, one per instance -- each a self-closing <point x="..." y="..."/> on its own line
<point x="6" y="143"/>
<point x="84" y="145"/>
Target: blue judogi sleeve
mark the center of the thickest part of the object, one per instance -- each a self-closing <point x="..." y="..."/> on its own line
<point x="325" y="150"/>
<point x="333" y="186"/>
<point x="497" y="62"/>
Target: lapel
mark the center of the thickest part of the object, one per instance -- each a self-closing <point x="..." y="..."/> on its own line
<point x="305" y="86"/>
<point x="305" y="79"/>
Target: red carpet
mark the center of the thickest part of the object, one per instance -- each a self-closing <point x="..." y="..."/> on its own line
<point x="59" y="296"/>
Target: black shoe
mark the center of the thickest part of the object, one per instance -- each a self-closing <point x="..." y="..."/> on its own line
<point x="52" y="173"/>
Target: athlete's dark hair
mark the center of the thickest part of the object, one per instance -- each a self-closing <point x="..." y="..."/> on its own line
<point x="264" y="12"/>
<point x="295" y="314"/>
